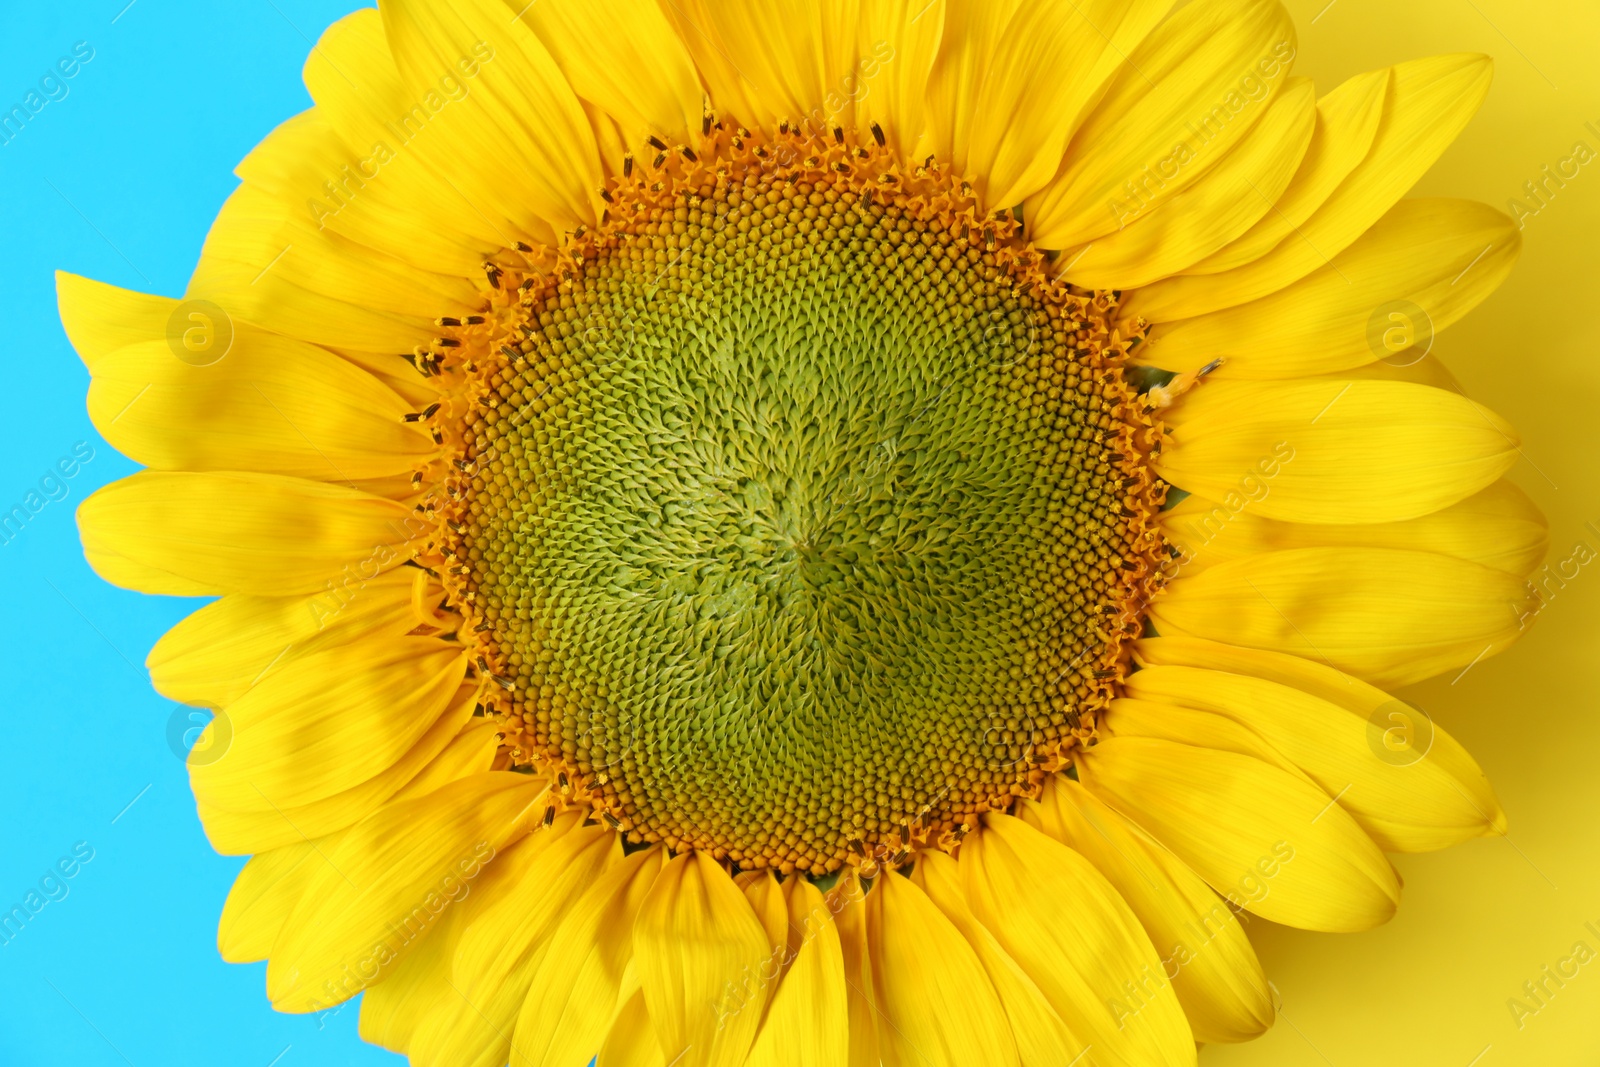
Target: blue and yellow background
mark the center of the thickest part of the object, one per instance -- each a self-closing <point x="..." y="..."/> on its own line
<point x="118" y="177"/>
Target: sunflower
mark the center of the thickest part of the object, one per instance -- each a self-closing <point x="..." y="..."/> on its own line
<point x="817" y="532"/>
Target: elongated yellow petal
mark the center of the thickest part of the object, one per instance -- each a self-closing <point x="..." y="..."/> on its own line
<point x="240" y="829"/>
<point x="1389" y="616"/>
<point x="1499" y="528"/>
<point x="1347" y="121"/>
<point x="389" y="877"/>
<point x="1204" y="951"/>
<point x="499" y="952"/>
<point x="520" y="110"/>
<point x="101" y="318"/>
<point x="574" y="998"/>
<point x="420" y="981"/>
<point x="1269" y="841"/>
<point x="226" y="532"/>
<point x="695" y="939"/>
<point x="1097" y="968"/>
<point x="1336" y="452"/>
<point x="1443" y="257"/>
<point x="632" y="1041"/>
<point x="1429" y="103"/>
<point x="846" y="900"/>
<point x="1041" y="1035"/>
<point x="270" y="404"/>
<point x="1177" y="105"/>
<point x="770" y="61"/>
<point x="352" y="77"/>
<point x="972" y="30"/>
<point x="899" y="43"/>
<point x="262" y="898"/>
<point x="1221" y="205"/>
<point x="808" y="1019"/>
<point x="625" y="59"/>
<point x="471" y="751"/>
<point x="921" y="967"/>
<point x="1048" y="67"/>
<point x="1424" y="795"/>
<point x="214" y="656"/>
<point x="327" y="723"/>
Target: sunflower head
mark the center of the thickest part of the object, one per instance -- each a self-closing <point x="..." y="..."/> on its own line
<point x="739" y="525"/>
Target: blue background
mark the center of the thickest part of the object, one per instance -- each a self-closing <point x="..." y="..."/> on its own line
<point x="120" y="181"/>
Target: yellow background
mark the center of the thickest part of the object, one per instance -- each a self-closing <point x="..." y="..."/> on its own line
<point x="1431" y="988"/>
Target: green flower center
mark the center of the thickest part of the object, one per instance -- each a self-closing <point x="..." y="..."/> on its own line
<point x="802" y="527"/>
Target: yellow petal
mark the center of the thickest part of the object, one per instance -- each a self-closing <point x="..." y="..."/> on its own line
<point x="471" y="751"/>
<point x="417" y="983"/>
<point x="1178" y="104"/>
<point x="696" y="937"/>
<point x="808" y="1020"/>
<point x="388" y="878"/>
<point x="1075" y="937"/>
<point x="520" y="112"/>
<point x="1221" y="205"/>
<point x="1420" y="796"/>
<point x="1204" y="951"/>
<point x="228" y="532"/>
<point x="1347" y="121"/>
<point x="358" y="92"/>
<point x="972" y="31"/>
<point x="632" y="1041"/>
<point x="1389" y="616"/>
<point x="1438" y="257"/>
<point x="1269" y="841"/>
<point x="101" y="318"/>
<point x="845" y="902"/>
<point x="262" y="898"/>
<point x="1335" y="452"/>
<point x="328" y="722"/>
<point x="1429" y="103"/>
<point x="1048" y="67"/>
<point x="270" y="404"/>
<point x="239" y="830"/>
<point x="502" y="947"/>
<point x="574" y="998"/>
<point x="899" y="42"/>
<point x="214" y="656"/>
<point x="624" y="58"/>
<point x="269" y="260"/>
<point x="921" y="968"/>
<point x="1499" y="528"/>
<point x="1041" y="1036"/>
